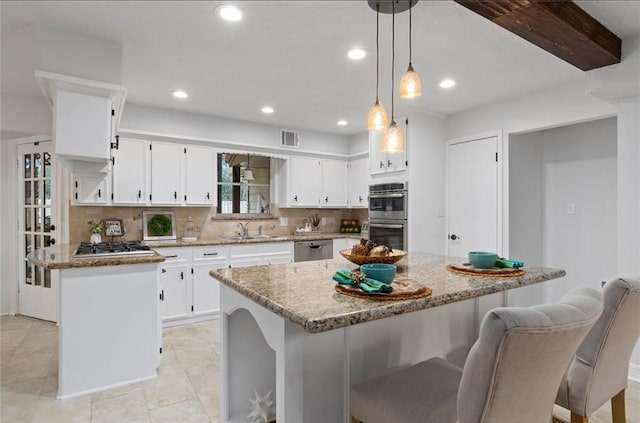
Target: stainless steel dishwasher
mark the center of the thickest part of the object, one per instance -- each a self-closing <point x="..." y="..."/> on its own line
<point x="312" y="250"/>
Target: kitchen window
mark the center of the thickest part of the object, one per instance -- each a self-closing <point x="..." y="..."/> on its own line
<point x="243" y="183"/>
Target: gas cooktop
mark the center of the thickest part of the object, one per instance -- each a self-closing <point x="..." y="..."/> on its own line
<point x="112" y="249"/>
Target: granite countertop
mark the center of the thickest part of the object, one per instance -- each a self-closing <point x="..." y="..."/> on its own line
<point x="60" y="257"/>
<point x="304" y="292"/>
<point x="225" y="241"/>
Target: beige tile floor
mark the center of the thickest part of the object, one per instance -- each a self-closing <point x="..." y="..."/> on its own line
<point x="186" y="390"/>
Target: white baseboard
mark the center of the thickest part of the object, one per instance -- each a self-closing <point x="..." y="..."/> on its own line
<point x="187" y="321"/>
<point x="634" y="372"/>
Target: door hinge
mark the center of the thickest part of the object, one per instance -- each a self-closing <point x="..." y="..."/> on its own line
<point x="113" y="112"/>
<point x="406" y="163"/>
<point x="192" y="270"/>
<point x="185" y="198"/>
<point x="150" y="147"/>
<point x="113" y="161"/>
<point x="496" y="156"/>
<point x="192" y="308"/>
<point x="185" y="150"/>
<point x="76" y="183"/>
<point x="76" y="195"/>
<point x="149" y="197"/>
<point x="111" y="196"/>
<point x="160" y="350"/>
<point x="17" y="163"/>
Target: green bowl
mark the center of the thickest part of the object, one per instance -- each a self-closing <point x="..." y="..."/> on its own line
<point x="482" y="259"/>
<point x="379" y="271"/>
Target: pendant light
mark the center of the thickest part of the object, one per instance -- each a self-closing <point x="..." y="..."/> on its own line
<point x="410" y="86"/>
<point x="248" y="173"/>
<point x="392" y="139"/>
<point x="377" y="117"/>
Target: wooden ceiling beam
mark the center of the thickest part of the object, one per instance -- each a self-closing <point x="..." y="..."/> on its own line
<point x="559" y="27"/>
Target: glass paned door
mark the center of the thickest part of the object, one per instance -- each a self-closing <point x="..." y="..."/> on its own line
<point x="36" y="176"/>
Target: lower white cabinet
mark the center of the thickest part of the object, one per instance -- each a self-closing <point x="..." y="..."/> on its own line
<point x="187" y="290"/>
<point x="343" y="244"/>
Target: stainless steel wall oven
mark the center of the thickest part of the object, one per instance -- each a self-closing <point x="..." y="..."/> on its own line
<point x="388" y="213"/>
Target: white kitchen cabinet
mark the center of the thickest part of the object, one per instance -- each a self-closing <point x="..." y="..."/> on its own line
<point x="130" y="166"/>
<point x="380" y="162"/>
<point x="260" y="254"/>
<point x="201" y="171"/>
<point x="206" y="290"/>
<point x="175" y="290"/>
<point x="166" y="173"/>
<point x="304" y="181"/>
<point x="89" y="189"/>
<point x="358" y="177"/>
<point x="340" y="244"/>
<point x="334" y="186"/>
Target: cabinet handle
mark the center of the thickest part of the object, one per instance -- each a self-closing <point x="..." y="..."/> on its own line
<point x="295" y="198"/>
<point x="388" y="163"/>
<point x="99" y="193"/>
<point x="164" y="270"/>
<point x="181" y="275"/>
<point x="210" y="254"/>
<point x="360" y="198"/>
<point x="208" y="198"/>
<point x="381" y="165"/>
<point x="162" y="295"/>
<point x="175" y="195"/>
<point x="326" y="199"/>
<point x="171" y="256"/>
<point x="139" y="193"/>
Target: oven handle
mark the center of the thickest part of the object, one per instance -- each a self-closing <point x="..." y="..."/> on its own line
<point x="385" y="225"/>
<point x="390" y="195"/>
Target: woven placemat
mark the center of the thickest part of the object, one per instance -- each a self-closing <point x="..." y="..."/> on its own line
<point x="403" y="289"/>
<point x="487" y="274"/>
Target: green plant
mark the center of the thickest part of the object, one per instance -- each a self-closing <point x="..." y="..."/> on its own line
<point x="159" y="225"/>
<point x="96" y="227"/>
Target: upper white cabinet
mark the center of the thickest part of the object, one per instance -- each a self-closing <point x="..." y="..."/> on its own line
<point x="200" y="175"/>
<point x="334" y="187"/>
<point x="89" y="189"/>
<point x="358" y="177"/>
<point x="166" y="173"/>
<point x="387" y="162"/>
<point x="129" y="172"/>
<point x="304" y="181"/>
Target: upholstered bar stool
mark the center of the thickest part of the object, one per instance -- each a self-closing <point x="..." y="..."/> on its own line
<point x="600" y="370"/>
<point x="520" y="355"/>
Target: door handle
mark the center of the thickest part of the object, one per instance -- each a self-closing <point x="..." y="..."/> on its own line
<point x="453" y="237"/>
<point x="52" y="241"/>
<point x="52" y="228"/>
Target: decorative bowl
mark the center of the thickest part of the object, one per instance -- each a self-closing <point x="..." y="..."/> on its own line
<point x="394" y="257"/>
<point x="379" y="271"/>
<point x="482" y="259"/>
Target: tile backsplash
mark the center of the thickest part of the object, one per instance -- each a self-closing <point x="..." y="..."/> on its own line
<point x="211" y="226"/>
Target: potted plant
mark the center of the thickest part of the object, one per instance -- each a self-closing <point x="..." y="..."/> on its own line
<point x="95" y="229"/>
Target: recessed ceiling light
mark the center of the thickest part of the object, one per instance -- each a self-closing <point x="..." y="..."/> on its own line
<point x="267" y="110"/>
<point x="180" y="94"/>
<point x="342" y="122"/>
<point x="356" y="53"/>
<point x="447" y="83"/>
<point x="229" y="12"/>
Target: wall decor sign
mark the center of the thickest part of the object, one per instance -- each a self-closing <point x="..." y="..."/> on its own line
<point x="113" y="227"/>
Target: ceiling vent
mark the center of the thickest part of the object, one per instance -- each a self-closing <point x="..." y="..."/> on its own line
<point x="289" y="138"/>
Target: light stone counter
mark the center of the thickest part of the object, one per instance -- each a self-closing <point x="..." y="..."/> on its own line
<point x="225" y="241"/>
<point x="61" y="257"/>
<point x="304" y="293"/>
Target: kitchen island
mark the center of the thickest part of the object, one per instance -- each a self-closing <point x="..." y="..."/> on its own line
<point x="108" y="315"/>
<point x="286" y="329"/>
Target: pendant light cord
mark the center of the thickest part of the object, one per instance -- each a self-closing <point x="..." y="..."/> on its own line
<point x="410" y="31"/>
<point x="393" y="49"/>
<point x="377" y="49"/>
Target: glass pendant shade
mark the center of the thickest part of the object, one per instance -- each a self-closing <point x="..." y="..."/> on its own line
<point x="377" y="117"/>
<point x="410" y="86"/>
<point x="392" y="139"/>
<point x="248" y="175"/>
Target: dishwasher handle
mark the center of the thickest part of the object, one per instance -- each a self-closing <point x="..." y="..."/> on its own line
<point x="315" y="246"/>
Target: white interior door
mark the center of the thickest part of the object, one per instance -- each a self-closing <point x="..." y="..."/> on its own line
<point x="37" y="286"/>
<point x="472" y="196"/>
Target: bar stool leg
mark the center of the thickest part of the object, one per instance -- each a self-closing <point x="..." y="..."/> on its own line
<point x="577" y="418"/>
<point x="617" y="408"/>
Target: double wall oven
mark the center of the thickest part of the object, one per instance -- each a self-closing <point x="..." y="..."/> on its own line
<point x="388" y="213"/>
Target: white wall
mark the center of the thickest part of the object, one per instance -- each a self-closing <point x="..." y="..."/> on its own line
<point x="525" y="198"/>
<point x="557" y="106"/>
<point x="22" y="116"/>
<point x="426" y="178"/>
<point x="359" y="143"/>
<point x="5" y="303"/>
<point x="183" y="124"/>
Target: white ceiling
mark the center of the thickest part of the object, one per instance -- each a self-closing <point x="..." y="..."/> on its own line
<point x="292" y="55"/>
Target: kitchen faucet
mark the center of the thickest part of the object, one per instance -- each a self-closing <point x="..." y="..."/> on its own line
<point x="245" y="229"/>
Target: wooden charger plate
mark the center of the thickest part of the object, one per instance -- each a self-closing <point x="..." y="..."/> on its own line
<point x="495" y="272"/>
<point x="403" y="289"/>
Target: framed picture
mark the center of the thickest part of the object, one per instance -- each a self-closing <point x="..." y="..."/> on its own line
<point x="158" y="225"/>
<point x="113" y="227"/>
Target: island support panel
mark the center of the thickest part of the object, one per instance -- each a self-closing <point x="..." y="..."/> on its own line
<point x="109" y="327"/>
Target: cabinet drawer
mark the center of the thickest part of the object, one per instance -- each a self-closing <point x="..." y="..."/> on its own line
<point x="175" y="255"/>
<point x="210" y="252"/>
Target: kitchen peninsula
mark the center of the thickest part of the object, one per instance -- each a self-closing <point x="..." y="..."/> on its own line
<point x="108" y="314"/>
<point x="286" y="330"/>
